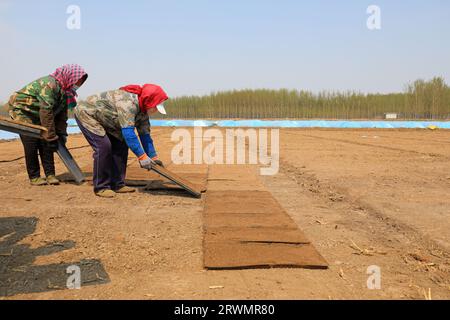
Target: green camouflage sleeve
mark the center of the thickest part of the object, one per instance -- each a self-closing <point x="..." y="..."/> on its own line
<point x="46" y="94"/>
<point x="126" y="109"/>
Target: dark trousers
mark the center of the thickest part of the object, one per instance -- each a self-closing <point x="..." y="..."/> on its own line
<point x="35" y="148"/>
<point x="110" y="160"/>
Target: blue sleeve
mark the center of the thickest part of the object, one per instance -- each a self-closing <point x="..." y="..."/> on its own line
<point x="132" y="141"/>
<point x="147" y="143"/>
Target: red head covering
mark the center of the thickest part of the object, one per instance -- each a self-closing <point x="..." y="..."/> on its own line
<point x="150" y="95"/>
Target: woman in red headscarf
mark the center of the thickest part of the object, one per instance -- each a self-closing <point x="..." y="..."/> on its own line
<point x="109" y="122"/>
<point x="46" y="102"/>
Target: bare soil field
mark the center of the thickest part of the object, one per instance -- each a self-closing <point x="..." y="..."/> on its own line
<point x="362" y="197"/>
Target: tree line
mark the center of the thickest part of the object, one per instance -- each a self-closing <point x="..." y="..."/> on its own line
<point x="427" y="100"/>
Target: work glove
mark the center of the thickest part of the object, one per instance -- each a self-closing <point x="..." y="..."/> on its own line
<point x="145" y="162"/>
<point x="157" y="161"/>
<point x="52" y="145"/>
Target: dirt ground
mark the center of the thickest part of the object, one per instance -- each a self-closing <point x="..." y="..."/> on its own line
<point x="363" y="198"/>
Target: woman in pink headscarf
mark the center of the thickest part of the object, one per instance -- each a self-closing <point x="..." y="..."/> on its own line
<point x="46" y="102"/>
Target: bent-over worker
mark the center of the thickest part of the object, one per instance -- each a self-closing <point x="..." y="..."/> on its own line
<point x="108" y="121"/>
<point x="46" y="102"/>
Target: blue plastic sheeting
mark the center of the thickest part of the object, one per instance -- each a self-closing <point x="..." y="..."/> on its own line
<point x="302" y="124"/>
<point x="4" y="135"/>
<point x="73" y="128"/>
<point x="7" y="136"/>
<point x="297" y="124"/>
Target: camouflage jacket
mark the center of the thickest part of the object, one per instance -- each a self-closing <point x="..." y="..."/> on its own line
<point x="42" y="102"/>
<point x="109" y="112"/>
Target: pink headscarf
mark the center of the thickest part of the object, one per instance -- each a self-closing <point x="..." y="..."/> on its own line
<point x="67" y="76"/>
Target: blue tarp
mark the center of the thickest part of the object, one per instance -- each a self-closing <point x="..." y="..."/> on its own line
<point x="278" y="124"/>
<point x="302" y="124"/>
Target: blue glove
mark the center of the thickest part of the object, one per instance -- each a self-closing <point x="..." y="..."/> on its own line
<point x="147" y="143"/>
<point x="132" y="141"/>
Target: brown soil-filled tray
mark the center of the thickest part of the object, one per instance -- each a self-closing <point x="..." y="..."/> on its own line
<point x="248" y="228"/>
<point x="238" y="255"/>
<point x="232" y="172"/>
<point x="257" y="235"/>
<point x="233" y="185"/>
<point x="194" y="178"/>
<point x="189" y="168"/>
<point x="247" y="220"/>
<point x="137" y="176"/>
<point x="241" y="202"/>
<point x="169" y="185"/>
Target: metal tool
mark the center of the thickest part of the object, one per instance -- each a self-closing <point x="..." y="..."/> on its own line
<point x="177" y="180"/>
<point x="35" y="131"/>
<point x="70" y="163"/>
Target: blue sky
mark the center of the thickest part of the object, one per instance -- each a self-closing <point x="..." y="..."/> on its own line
<point x="198" y="46"/>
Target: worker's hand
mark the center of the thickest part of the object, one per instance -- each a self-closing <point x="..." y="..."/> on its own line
<point x="52" y="145"/>
<point x="145" y="162"/>
<point x="157" y="161"/>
